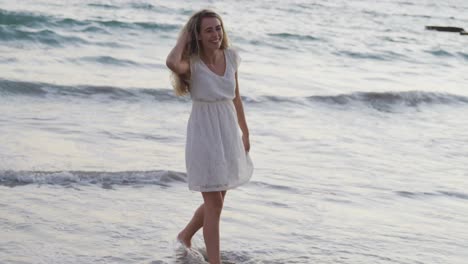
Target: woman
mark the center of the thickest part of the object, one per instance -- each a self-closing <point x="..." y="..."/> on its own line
<point x="217" y="157"/>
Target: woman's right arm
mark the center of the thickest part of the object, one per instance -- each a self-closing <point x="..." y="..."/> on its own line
<point x="174" y="60"/>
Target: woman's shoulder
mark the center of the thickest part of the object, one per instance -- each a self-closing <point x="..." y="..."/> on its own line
<point x="232" y="51"/>
<point x="233" y="54"/>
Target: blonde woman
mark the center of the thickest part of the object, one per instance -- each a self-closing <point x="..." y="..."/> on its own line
<point x="216" y="154"/>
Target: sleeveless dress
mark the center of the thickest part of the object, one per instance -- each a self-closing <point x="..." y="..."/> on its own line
<point x="215" y="156"/>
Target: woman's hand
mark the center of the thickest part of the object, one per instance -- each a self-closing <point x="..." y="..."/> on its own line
<point x="246" y="141"/>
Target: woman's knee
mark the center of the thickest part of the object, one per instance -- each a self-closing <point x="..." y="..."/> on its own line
<point x="213" y="201"/>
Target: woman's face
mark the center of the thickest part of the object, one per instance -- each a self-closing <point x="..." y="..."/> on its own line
<point x="211" y="33"/>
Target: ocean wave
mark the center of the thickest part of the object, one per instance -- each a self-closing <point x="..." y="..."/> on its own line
<point x="279" y="41"/>
<point x="36" y="20"/>
<point x="105" y="6"/>
<point x="46" y="36"/>
<point x="378" y="56"/>
<point x="11" y="18"/>
<point x="103" y="178"/>
<point x="110" y="60"/>
<point x="8" y="60"/>
<point x="18" y="88"/>
<point x="440" y="53"/>
<point x="378" y="100"/>
<point x="49" y="37"/>
<point x="294" y="36"/>
<point x="449" y="194"/>
<point x="387" y="101"/>
<point x="136" y="25"/>
<point x="463" y="55"/>
<point x="145" y="6"/>
<point x="95" y="29"/>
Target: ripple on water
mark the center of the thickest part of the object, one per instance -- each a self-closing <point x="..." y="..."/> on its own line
<point x="422" y="195"/>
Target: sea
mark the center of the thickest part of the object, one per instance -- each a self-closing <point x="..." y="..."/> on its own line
<point x="357" y="119"/>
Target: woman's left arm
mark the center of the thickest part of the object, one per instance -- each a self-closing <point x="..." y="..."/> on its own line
<point x="241" y="117"/>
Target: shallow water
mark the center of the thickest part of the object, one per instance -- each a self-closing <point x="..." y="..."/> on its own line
<point x="355" y="113"/>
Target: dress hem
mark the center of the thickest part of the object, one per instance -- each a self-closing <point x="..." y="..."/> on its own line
<point x="217" y="189"/>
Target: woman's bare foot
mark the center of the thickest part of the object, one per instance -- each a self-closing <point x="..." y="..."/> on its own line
<point x="182" y="238"/>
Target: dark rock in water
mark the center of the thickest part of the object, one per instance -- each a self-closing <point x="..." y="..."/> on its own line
<point x="446" y="29"/>
<point x="463" y="33"/>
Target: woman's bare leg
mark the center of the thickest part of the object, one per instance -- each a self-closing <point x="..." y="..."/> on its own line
<point x="213" y="205"/>
<point x="185" y="236"/>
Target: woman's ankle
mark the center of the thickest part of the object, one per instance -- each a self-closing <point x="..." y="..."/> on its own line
<point x="184" y="239"/>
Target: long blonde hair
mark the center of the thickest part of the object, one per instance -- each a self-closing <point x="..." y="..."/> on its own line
<point x="181" y="83"/>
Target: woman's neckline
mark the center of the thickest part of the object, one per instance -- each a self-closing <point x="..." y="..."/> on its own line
<point x="225" y="65"/>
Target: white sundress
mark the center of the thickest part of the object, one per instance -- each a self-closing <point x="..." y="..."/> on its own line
<point x="215" y="156"/>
